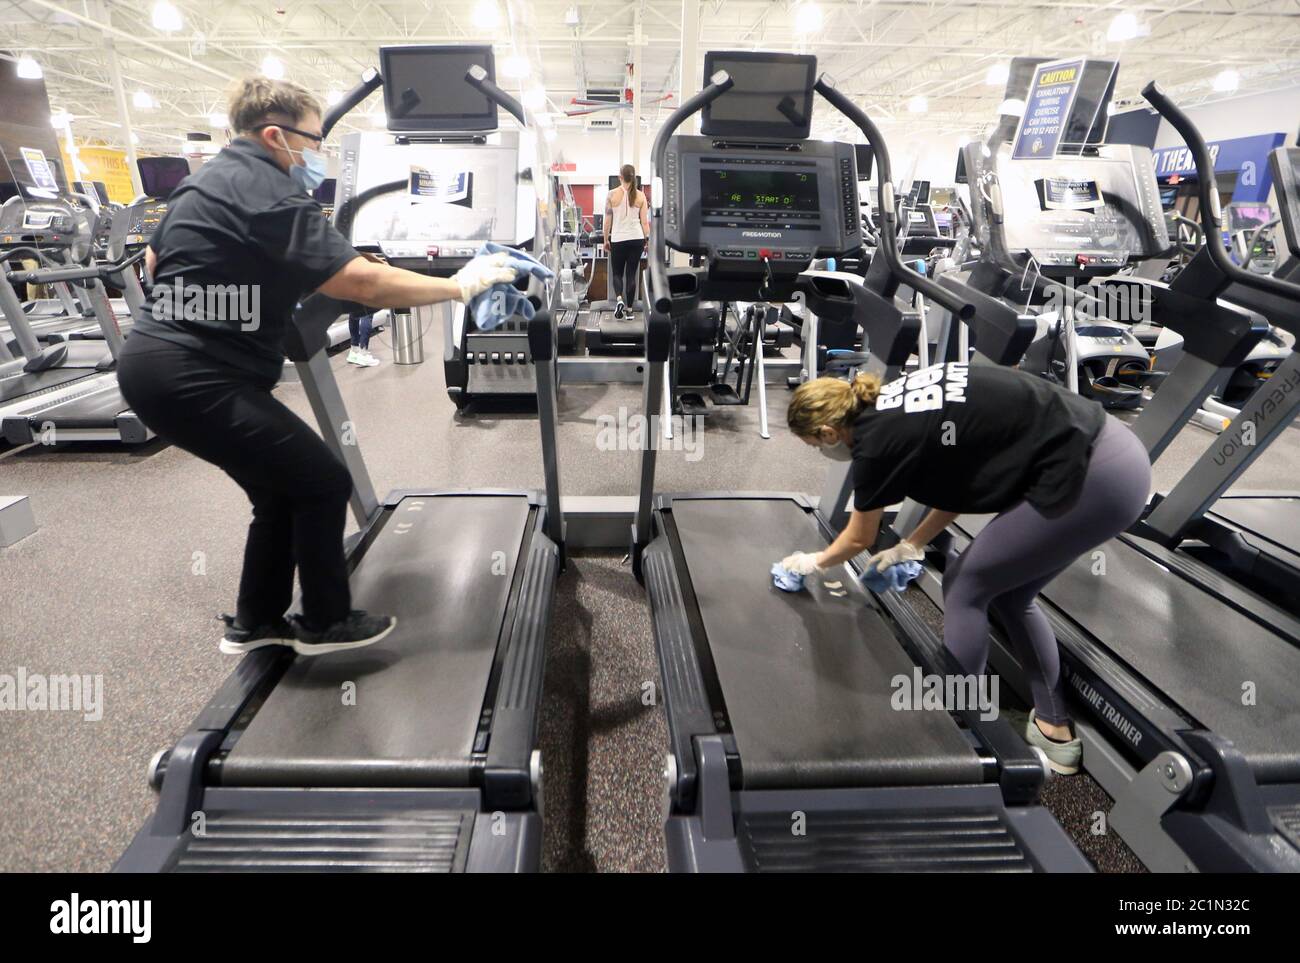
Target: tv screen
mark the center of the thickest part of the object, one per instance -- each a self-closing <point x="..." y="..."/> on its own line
<point x="425" y="87"/>
<point x="160" y="176"/>
<point x="772" y="96"/>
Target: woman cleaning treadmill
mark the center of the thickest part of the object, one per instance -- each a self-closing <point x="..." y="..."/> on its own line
<point x="242" y="242"/>
<point x="1060" y="475"/>
<point x="627" y="225"/>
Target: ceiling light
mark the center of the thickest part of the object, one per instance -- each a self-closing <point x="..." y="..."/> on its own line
<point x="29" y="69"/>
<point x="60" y="120"/>
<point x="1123" y="27"/>
<point x="534" y="98"/>
<point x="572" y="17"/>
<point x="807" y="18"/>
<point x="142" y="101"/>
<point x="1226" y="81"/>
<point x="218" y="121"/>
<point x="333" y="97"/>
<point x="166" y="17"/>
<point x="486" y="15"/>
<point x="1012" y="108"/>
<point x="543" y="120"/>
<point x="997" y="75"/>
<point x="550" y="133"/>
<point x="918" y="105"/>
<point x="272" y="67"/>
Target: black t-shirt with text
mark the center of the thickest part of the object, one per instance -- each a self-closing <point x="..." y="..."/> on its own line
<point x="239" y="246"/>
<point x="978" y="439"/>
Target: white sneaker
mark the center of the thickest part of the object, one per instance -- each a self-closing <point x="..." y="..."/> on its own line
<point x="370" y="360"/>
<point x="357" y="358"/>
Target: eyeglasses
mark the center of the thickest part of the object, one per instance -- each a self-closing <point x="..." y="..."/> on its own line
<point x="318" y="138"/>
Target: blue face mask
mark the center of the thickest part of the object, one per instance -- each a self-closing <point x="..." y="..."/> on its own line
<point x="310" y="174"/>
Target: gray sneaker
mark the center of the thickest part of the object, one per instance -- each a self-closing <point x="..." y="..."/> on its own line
<point x="1063" y="757"/>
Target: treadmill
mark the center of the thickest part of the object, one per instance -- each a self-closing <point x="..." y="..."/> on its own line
<point x="434" y="766"/>
<point x="1161" y="654"/>
<point x="785" y="753"/>
<point x="96" y="411"/>
<point x="1252" y="537"/>
<point x="42" y="374"/>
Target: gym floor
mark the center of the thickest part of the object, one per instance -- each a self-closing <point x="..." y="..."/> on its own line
<point x="138" y="550"/>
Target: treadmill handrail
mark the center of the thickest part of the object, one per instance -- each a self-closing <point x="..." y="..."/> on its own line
<point x="370" y="82"/>
<point x="477" y="78"/>
<point x="1211" y="212"/>
<point x="87" y="273"/>
<point x="719" y="84"/>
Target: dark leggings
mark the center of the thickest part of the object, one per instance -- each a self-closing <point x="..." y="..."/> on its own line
<point x="298" y="487"/>
<point x="1021" y="550"/>
<point x="359" y="326"/>
<point x="624" y="260"/>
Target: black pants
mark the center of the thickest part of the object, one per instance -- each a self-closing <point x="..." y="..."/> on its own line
<point x="298" y="487"/>
<point x="624" y="260"/>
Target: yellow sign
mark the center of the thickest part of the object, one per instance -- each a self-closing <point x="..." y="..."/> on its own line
<point x="102" y="164"/>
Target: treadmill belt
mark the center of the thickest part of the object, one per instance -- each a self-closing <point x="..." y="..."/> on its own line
<point x="1272" y="520"/>
<point x="419" y="692"/>
<point x="1198" y="652"/>
<point x="16" y="387"/>
<point x="807" y="676"/>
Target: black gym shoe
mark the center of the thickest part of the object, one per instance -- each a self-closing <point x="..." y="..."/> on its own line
<point x="620" y="312"/>
<point x="237" y="640"/>
<point x="358" y="629"/>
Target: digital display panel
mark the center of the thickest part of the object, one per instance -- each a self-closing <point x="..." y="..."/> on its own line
<point x="772" y="95"/>
<point x="777" y="191"/>
<point x="425" y="88"/>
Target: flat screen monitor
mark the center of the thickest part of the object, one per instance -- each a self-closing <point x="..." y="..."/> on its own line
<point x="922" y="189"/>
<point x="1247" y="217"/>
<point x="425" y="87"/>
<point x="772" y="97"/>
<point x="95" y="189"/>
<point x="160" y="176"/>
<point x="1285" y="163"/>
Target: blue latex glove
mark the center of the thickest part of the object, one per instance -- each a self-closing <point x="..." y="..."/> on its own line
<point x="786" y="580"/>
<point x="892" y="579"/>
<point x="503" y="301"/>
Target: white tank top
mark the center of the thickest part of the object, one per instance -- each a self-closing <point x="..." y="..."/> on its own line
<point x="627" y="220"/>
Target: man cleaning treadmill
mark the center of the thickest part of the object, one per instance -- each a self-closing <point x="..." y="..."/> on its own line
<point x="1061" y="476"/>
<point x="242" y="242"/>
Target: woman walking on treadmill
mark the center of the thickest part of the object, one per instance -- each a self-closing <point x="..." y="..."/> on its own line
<point x="242" y="242"/>
<point x="1060" y="475"/>
<point x="627" y="225"/>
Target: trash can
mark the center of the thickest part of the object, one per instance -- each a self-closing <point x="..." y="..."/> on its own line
<point x="407" y="337"/>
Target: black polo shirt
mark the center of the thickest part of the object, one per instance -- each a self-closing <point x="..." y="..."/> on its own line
<point x="978" y="438"/>
<point x="239" y="246"/>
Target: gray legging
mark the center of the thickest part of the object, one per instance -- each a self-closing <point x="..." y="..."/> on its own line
<point x="1021" y="550"/>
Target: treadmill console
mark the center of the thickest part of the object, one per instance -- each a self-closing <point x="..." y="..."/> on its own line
<point x="437" y="200"/>
<point x="1076" y="216"/>
<point x="753" y="209"/>
<point x="135" y="226"/>
<point x="1285" y="163"/>
<point x="50" y="224"/>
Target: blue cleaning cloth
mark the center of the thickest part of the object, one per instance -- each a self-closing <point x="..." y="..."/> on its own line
<point x="892" y="579"/>
<point x="502" y="301"/>
<point x="786" y="580"/>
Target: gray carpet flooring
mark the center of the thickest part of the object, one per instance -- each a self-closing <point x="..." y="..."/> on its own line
<point x="138" y="550"/>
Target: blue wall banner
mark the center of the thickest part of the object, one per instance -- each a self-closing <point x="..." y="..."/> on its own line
<point x="1047" y="108"/>
<point x="1246" y="156"/>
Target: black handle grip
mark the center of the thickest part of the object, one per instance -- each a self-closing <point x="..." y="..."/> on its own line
<point x="477" y="78"/>
<point x="1211" y="215"/>
<point x="369" y="83"/>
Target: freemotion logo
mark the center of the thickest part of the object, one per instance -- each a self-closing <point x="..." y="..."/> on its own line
<point x="75" y="916"/>
<point x="761" y="234"/>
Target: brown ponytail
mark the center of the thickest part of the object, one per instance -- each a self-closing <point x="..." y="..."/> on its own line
<point x="830" y="403"/>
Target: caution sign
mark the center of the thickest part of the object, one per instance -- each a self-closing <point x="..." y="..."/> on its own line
<point x="441" y="187"/>
<point x="1047" y="109"/>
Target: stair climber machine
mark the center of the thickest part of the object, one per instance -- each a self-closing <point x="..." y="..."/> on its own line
<point x="33" y="375"/>
<point x="438" y="184"/>
<point x="778" y="705"/>
<point x="436" y="766"/>
<point x="96" y="410"/>
<point x="1160" y="648"/>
